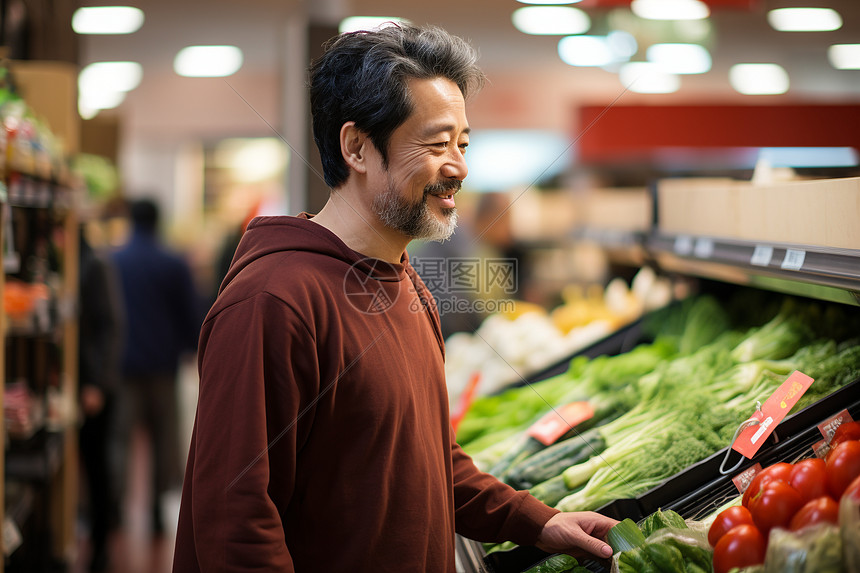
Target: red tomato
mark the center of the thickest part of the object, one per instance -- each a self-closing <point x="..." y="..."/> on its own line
<point x="727" y="520"/>
<point x="780" y="471"/>
<point x="823" y="509"/>
<point x="742" y="546"/>
<point x="775" y="505"/>
<point x="809" y="478"/>
<point x="845" y="432"/>
<point x="843" y="465"/>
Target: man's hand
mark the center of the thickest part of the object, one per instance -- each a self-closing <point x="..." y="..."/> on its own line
<point x="577" y="531"/>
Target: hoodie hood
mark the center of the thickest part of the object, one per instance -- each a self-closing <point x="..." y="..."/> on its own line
<point x="274" y="234"/>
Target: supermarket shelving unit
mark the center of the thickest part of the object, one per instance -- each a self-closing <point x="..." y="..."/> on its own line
<point x="40" y="351"/>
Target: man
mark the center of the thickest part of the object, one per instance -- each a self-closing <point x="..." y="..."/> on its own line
<point x="162" y="320"/>
<point x="322" y="440"/>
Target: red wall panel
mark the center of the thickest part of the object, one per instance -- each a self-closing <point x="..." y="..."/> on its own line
<point x="625" y="131"/>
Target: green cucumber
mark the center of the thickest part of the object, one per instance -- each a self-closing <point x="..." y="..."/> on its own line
<point x="524" y="447"/>
<point x="551" y="491"/>
<point x="552" y="461"/>
<point x="605" y="411"/>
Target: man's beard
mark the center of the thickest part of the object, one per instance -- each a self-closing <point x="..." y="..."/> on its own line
<point x="416" y="220"/>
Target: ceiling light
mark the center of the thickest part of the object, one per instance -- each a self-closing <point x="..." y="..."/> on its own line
<point x="107" y="20"/>
<point x="585" y="51"/>
<point x="680" y="58"/>
<point x="208" y="61"/>
<point x="110" y="76"/>
<point x="614" y="48"/>
<point x="551" y="20"/>
<point x="623" y="44"/>
<point x="670" y="9"/>
<point x="101" y="99"/>
<point x="648" y="78"/>
<point x="547" y="2"/>
<point x="357" y="23"/>
<point x="844" y="56"/>
<point x="804" y="19"/>
<point x="758" y="79"/>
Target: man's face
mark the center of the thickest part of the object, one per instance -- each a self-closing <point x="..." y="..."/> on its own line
<point x="425" y="163"/>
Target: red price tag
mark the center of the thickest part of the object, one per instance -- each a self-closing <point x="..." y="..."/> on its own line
<point x="772" y="413"/>
<point x="828" y="426"/>
<point x="743" y="479"/>
<point x="820" y="448"/>
<point x="466" y="399"/>
<point x="555" y="424"/>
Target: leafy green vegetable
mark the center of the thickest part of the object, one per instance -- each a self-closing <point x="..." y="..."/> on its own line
<point x="779" y="338"/>
<point x="624" y="535"/>
<point x="601" y="380"/>
<point x="666" y="557"/>
<point x="640" y="468"/>
<point x="669" y="549"/>
<point x="693" y="553"/>
<point x="560" y="563"/>
<point x="504" y="546"/>
<point x="705" y="321"/>
<point x="814" y="549"/>
<point x="660" y="520"/>
<point x="635" y="561"/>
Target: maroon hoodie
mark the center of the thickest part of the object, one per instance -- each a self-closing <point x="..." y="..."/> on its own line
<point x="322" y="440"/>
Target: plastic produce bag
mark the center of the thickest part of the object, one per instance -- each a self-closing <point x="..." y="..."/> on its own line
<point x="668" y="550"/>
<point x="849" y="523"/>
<point x="813" y="549"/>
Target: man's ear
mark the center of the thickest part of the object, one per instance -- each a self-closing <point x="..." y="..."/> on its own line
<point x="353" y="147"/>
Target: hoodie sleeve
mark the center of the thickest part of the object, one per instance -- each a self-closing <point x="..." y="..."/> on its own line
<point x="251" y="420"/>
<point x="490" y="511"/>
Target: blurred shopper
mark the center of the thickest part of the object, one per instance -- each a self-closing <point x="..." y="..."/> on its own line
<point x="162" y="310"/>
<point x="322" y="440"/>
<point x="100" y="329"/>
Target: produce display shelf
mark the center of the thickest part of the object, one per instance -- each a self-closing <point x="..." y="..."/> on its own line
<point x="705" y="489"/>
<point x="816" y="272"/>
<point x="700" y="489"/>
